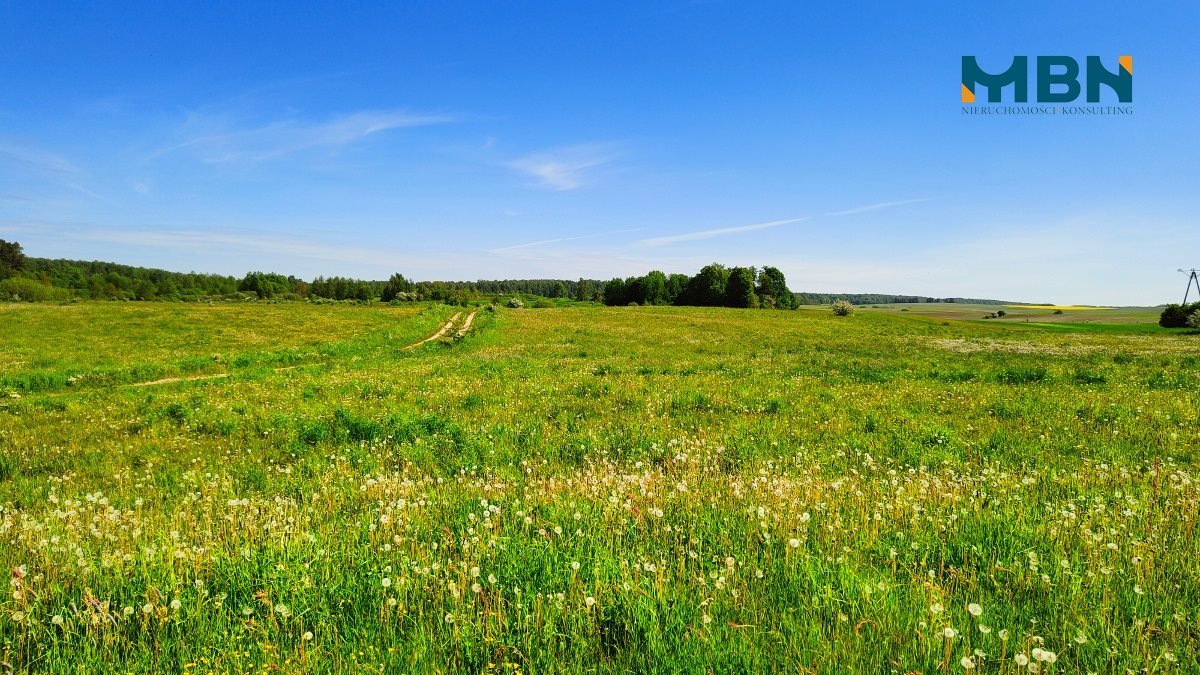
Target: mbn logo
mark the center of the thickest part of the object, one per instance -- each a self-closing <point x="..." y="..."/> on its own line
<point x="1057" y="79"/>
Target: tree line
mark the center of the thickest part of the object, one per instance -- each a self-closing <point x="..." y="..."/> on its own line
<point x="714" y="285"/>
<point x="37" y="279"/>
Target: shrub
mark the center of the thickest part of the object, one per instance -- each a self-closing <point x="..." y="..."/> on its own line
<point x="841" y="308"/>
<point x="514" y="303"/>
<point x="1194" y="319"/>
<point x="1176" y="316"/>
<point x="542" y="304"/>
<point x="19" y="289"/>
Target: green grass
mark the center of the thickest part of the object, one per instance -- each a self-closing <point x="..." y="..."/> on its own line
<point x="630" y="489"/>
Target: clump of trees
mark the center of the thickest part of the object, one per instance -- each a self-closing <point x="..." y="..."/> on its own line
<point x="1178" y="316"/>
<point x="713" y="286"/>
<point x="12" y="259"/>
<point x="61" y="279"/>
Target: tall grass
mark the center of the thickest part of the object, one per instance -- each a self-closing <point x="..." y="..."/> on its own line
<point x="600" y="489"/>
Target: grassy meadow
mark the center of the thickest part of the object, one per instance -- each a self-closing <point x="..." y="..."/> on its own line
<point x="591" y="489"/>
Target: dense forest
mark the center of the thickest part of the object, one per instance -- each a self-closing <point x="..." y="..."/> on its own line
<point x="719" y="286"/>
<point x="42" y="279"/>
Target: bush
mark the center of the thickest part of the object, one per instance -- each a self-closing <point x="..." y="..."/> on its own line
<point x="514" y="303"/>
<point x="1194" y="319"/>
<point x="542" y="304"/>
<point x="19" y="289"/>
<point x="841" y="308"/>
<point x="1177" y="316"/>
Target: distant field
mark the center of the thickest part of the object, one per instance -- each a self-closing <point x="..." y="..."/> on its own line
<point x="1021" y="313"/>
<point x="1074" y="308"/>
<point x="591" y="489"/>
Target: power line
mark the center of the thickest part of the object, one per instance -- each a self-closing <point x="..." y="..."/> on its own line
<point x="1192" y="278"/>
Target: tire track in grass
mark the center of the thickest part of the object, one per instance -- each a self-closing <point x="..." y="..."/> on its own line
<point x="169" y="380"/>
<point x="465" y="327"/>
<point x="442" y="331"/>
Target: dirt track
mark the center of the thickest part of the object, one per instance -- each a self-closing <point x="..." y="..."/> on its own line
<point x="466" y="326"/>
<point x="169" y="380"/>
<point x="462" y="330"/>
<point x="442" y="331"/>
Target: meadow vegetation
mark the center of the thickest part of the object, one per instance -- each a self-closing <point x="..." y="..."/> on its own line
<point x="593" y="489"/>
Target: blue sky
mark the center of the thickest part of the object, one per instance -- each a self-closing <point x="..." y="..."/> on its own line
<point x="521" y="140"/>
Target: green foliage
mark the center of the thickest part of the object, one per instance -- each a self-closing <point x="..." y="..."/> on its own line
<point x="707" y="288"/>
<point x="739" y="289"/>
<point x="110" y="281"/>
<point x="21" y="289"/>
<point x="397" y="287"/>
<point x="654" y="289"/>
<point x="12" y="259"/>
<point x="1177" y="316"/>
<point x="772" y="289"/>
<point x="339" y="288"/>
<point x="584" y="290"/>
<point x="614" y="292"/>
<point x="267" y="285"/>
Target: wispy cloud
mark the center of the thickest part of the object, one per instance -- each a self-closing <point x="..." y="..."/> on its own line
<point x="717" y="232"/>
<point x="286" y="137"/>
<point x="876" y="207"/>
<point x="216" y="241"/>
<point x="565" y="168"/>
<point x="722" y="231"/>
<point x="520" y="248"/>
<point x="48" y="166"/>
<point x="28" y="157"/>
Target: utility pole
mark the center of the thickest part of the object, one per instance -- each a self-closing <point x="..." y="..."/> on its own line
<point x="1192" y="278"/>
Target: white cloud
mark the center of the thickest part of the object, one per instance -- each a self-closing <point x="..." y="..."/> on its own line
<point x="720" y="231"/>
<point x="519" y="249"/>
<point x="285" y="137"/>
<point x="875" y="207"/>
<point x="565" y="168"/>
